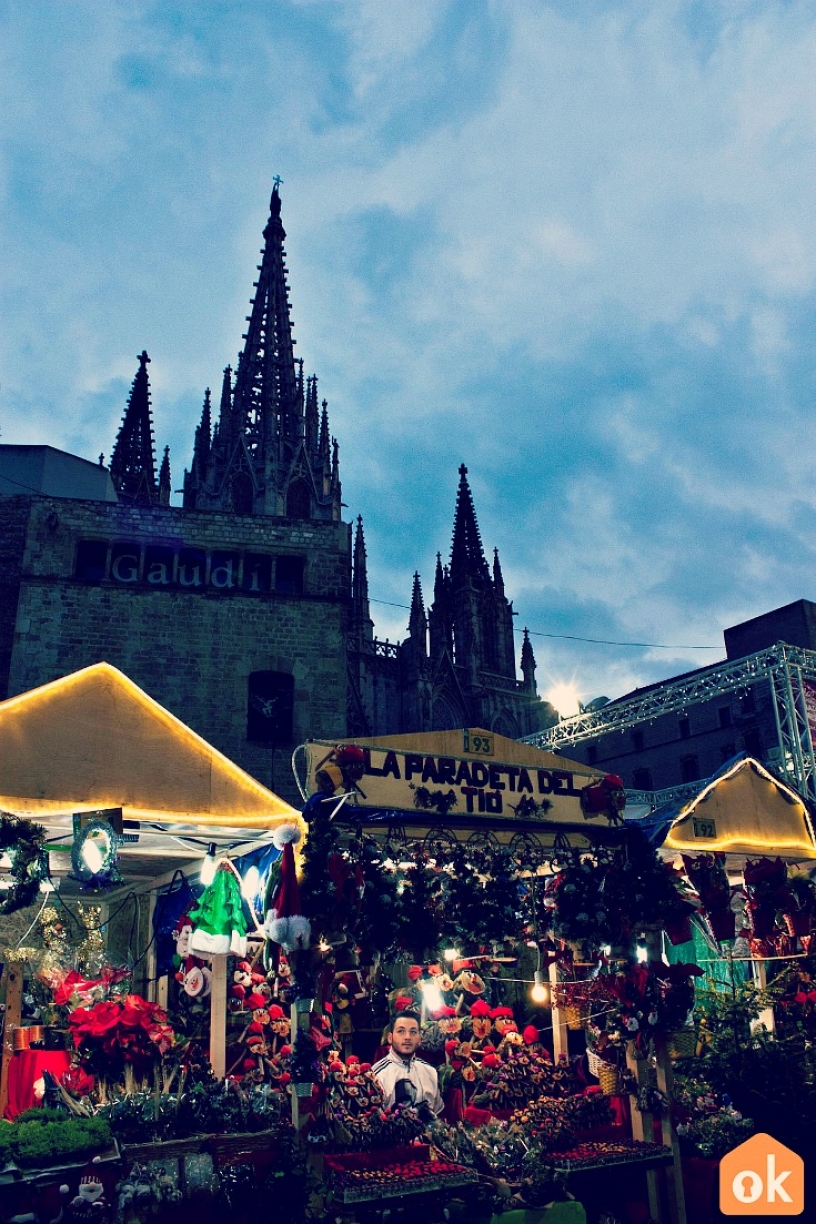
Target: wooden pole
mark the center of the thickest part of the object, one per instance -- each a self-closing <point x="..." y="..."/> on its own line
<point x="14" y="1007"/>
<point x="218" y="1017"/>
<point x="674" y="1176"/>
<point x="559" y="1024"/>
<point x="643" y="1125"/>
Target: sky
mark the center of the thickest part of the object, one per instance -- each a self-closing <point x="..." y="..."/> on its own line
<point x="571" y="245"/>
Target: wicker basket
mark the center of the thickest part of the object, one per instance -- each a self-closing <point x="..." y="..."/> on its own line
<point x="595" y="1062"/>
<point x="682" y="1043"/>
<point x="575" y="1015"/>
<point x="609" y="1079"/>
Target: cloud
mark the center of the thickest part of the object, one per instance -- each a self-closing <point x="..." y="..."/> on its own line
<point x="572" y="246"/>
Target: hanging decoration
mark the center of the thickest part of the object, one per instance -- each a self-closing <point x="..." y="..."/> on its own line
<point x="605" y="798"/>
<point x="285" y="922"/>
<point x="708" y="875"/>
<point x="22" y="842"/>
<point x="94" y="856"/>
<point x="219" y="926"/>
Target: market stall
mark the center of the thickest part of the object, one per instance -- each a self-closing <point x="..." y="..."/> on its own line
<point x="111" y="804"/>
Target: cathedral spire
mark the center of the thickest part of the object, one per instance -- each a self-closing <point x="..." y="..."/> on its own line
<point x="270" y="453"/>
<point x="312" y="417"/>
<point x="417" y="621"/>
<point x="164" y="479"/>
<point x="528" y="665"/>
<point x="467" y="562"/>
<point x="133" y="462"/>
<point x="498" y="577"/>
<point x="362" y="624"/>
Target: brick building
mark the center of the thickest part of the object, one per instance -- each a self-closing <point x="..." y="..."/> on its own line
<point x="246" y="611"/>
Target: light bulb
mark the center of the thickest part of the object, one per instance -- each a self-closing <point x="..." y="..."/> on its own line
<point x="540" y="992"/>
<point x="250" y="883"/>
<point x="452" y="954"/>
<point x="92" y="856"/>
<point x="432" y="996"/>
<point x="207" y="873"/>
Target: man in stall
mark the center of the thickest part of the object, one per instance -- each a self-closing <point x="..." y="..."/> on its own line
<point x="404" y="1078"/>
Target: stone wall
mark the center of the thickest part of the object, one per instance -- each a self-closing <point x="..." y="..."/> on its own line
<point x="192" y="650"/>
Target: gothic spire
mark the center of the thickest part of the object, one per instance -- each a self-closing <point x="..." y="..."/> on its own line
<point x="133" y="463"/>
<point x="270" y="452"/>
<point x="498" y="577"/>
<point x="417" y="621"/>
<point x="266" y="404"/>
<point x="528" y="664"/>
<point x="467" y="562"/>
<point x="323" y="447"/>
<point x="164" y="479"/>
<point x="312" y="417"/>
<point x="362" y="623"/>
<point x="440" y="586"/>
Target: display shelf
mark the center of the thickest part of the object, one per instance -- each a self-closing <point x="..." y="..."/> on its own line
<point x="619" y="1153"/>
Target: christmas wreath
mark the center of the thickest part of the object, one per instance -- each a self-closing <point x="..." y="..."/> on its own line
<point x="23" y="842"/>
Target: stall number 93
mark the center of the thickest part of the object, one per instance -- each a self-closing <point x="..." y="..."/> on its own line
<point x="481" y="744"/>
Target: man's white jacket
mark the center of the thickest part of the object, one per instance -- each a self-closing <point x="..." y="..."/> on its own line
<point x="408" y="1080"/>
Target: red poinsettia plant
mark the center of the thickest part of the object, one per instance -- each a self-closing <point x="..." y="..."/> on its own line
<point x="126" y="1031"/>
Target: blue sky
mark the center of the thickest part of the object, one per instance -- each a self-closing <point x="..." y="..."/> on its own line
<point x="571" y="245"/>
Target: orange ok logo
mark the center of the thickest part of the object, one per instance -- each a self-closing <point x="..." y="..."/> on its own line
<point x="762" y="1177"/>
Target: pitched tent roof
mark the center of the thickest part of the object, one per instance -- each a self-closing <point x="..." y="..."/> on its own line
<point x="95" y="740"/>
<point x="743" y="810"/>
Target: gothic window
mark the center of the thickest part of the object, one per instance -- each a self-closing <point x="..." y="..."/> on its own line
<point x="684" y="728"/>
<point x="270" y="706"/>
<point x="505" y="724"/>
<point x="642" y="779"/>
<point x="592" y="754"/>
<point x="241" y="493"/>
<point x="445" y="715"/>
<point x="298" y="500"/>
<point x="637" y="741"/>
<point x="724" y="714"/>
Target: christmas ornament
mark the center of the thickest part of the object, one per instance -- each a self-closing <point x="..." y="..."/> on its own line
<point x="285" y="923"/>
<point x="218" y="921"/>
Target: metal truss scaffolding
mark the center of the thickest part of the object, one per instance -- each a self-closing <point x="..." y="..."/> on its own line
<point x="786" y="668"/>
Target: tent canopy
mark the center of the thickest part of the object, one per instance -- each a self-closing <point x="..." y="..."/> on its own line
<point x="94" y="740"/>
<point x="742" y="810"/>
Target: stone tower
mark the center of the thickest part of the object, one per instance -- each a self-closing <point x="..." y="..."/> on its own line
<point x="133" y="461"/>
<point x="270" y="451"/>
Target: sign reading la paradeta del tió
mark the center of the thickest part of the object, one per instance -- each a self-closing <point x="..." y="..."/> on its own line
<point x="453" y="775"/>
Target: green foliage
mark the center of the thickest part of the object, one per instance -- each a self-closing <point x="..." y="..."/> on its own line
<point x="772" y="1080"/>
<point x="23" y="842"/>
<point x="478" y="897"/>
<point x="613" y="898"/>
<point x="420" y="929"/>
<point x="41" y="1137"/>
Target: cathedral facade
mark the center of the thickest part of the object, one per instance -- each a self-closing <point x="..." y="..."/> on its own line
<point x="245" y="611"/>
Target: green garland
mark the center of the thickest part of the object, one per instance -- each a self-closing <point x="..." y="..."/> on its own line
<point x="23" y="842"/>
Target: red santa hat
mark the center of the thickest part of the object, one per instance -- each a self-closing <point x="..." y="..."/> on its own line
<point x="531" y="1035"/>
<point x="479" y="1009"/>
<point x="285" y="923"/>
